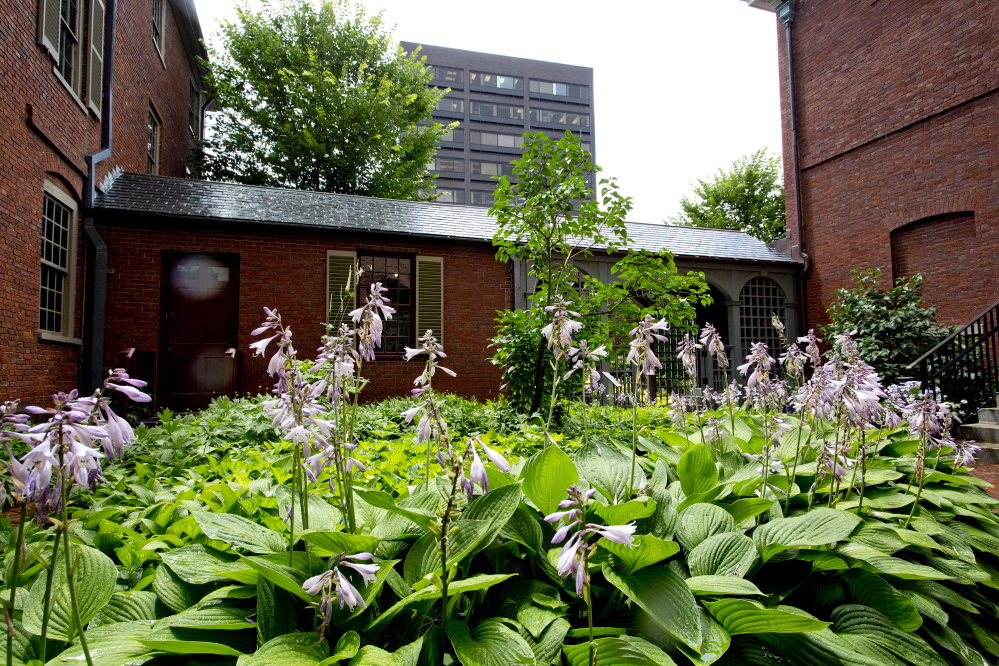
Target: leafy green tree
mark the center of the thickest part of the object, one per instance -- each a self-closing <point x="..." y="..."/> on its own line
<point x="319" y="97"/>
<point x="549" y="216"/>
<point x="892" y="327"/>
<point x="749" y="197"/>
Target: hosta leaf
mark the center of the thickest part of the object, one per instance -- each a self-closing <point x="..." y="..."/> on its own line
<point x="665" y="597"/>
<point x="112" y="645"/>
<point x="815" y="528"/>
<point x="621" y="514"/>
<point x="547" y="476"/>
<point x="494" y="510"/>
<point x="894" y="566"/>
<point x="283" y="576"/>
<point x="369" y="655"/>
<point x="927" y="606"/>
<point x="647" y="550"/>
<point x="491" y="643"/>
<point x="472" y="584"/>
<point x="328" y="543"/>
<point x="524" y="529"/>
<point x="618" y="651"/>
<point x="189" y="647"/>
<point x="880" y="537"/>
<point x="747" y="508"/>
<point x="878" y="627"/>
<point x="126" y="607"/>
<point x="728" y="554"/>
<point x="240" y="532"/>
<point x="869" y="589"/>
<point x="547" y="646"/>
<point x="94" y="581"/>
<point x="296" y="649"/>
<point x="211" y="617"/>
<point x="818" y="648"/>
<point x="175" y="593"/>
<point x="697" y="470"/>
<point x="535" y="618"/>
<point x="608" y="470"/>
<point x="721" y="585"/>
<point x="715" y="641"/>
<point x="951" y="640"/>
<point x="383" y="500"/>
<point x="423" y="558"/>
<point x="198" y="564"/>
<point x="739" y="616"/>
<point x="347" y="647"/>
<point x="700" y="521"/>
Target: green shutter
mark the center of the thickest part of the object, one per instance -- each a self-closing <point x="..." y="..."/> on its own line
<point x="340" y="292"/>
<point x="48" y="26"/>
<point x="430" y="296"/>
<point x="95" y="64"/>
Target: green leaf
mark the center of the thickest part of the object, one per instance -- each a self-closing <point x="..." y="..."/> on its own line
<point x="608" y="469"/>
<point x="423" y="558"/>
<point x="369" y="655"/>
<point x="283" y="576"/>
<point x="878" y="627"/>
<point x="240" y="532"/>
<point x="328" y="543"/>
<point x="95" y="577"/>
<point x="175" y="593"/>
<point x="297" y="649"/>
<point x="549" y="644"/>
<point x="111" y="645"/>
<point x="491" y="643"/>
<point x="727" y="554"/>
<point x="547" y="476"/>
<point x="747" y="508"/>
<point x="721" y="585"/>
<point x="648" y="550"/>
<point x="715" y="641"/>
<point x="472" y="584"/>
<point x="739" y="616"/>
<point x="189" y="647"/>
<point x="494" y="510"/>
<point x="869" y="589"/>
<point x="665" y="597"/>
<point x="126" y="607"/>
<point x="198" y="564"/>
<point x="524" y="529"/>
<point x="700" y="521"/>
<point x="621" y="514"/>
<point x="697" y="470"/>
<point x="383" y="500"/>
<point x="210" y="617"/>
<point x="346" y="648"/>
<point x="815" y="528"/>
<point x="618" y="651"/>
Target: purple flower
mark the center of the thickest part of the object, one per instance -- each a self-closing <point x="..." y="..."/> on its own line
<point x="344" y="591"/>
<point x="643" y="336"/>
<point x="964" y="453"/>
<point x="369" y="317"/>
<point x="687" y="353"/>
<point x="711" y="339"/>
<point x="559" y="331"/>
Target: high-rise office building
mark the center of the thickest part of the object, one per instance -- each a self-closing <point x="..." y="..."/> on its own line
<point x="496" y="99"/>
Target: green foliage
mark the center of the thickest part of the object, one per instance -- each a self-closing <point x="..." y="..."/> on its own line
<point x="749" y="197"/>
<point x="319" y="97"/>
<point x="893" y="326"/>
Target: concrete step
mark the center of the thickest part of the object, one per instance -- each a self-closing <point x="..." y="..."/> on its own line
<point x="981" y="432"/>
<point x="988" y="454"/>
<point x="988" y="415"/>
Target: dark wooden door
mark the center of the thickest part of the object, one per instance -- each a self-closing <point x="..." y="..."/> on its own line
<point x="201" y="299"/>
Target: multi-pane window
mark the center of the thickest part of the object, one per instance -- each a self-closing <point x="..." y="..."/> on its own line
<point x="53" y="303"/>
<point x="501" y="81"/>
<point x="507" y="111"/>
<point x="153" y="143"/>
<point x="445" y="74"/>
<point x="482" y="198"/>
<point x="494" y="139"/>
<point x="396" y="273"/>
<point x="158" y="16"/>
<point x="447" y="165"/>
<point x="69" y="42"/>
<point x="454" y="135"/>
<point x="449" y="195"/>
<point x="570" y="90"/>
<point x="761" y="299"/>
<point x="566" y="118"/>
<point x="482" y="168"/>
<point x="451" y="104"/>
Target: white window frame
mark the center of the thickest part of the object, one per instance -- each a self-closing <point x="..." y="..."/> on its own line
<point x="161" y="44"/>
<point x="69" y="291"/>
<point x="153" y="152"/>
<point x="75" y="86"/>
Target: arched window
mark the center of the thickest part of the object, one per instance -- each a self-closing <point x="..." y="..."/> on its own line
<point x="761" y="299"/>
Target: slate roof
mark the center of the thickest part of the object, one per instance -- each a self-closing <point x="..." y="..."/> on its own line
<point x="182" y="198"/>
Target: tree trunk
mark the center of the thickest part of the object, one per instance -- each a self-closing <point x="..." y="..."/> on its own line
<point x="539" y="377"/>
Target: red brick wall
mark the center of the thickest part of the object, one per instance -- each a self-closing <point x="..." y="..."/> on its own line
<point x="288" y="272"/>
<point x="49" y="142"/>
<point x="898" y="118"/>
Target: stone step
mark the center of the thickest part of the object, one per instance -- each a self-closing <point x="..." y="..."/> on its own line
<point x="981" y="432"/>
<point x="988" y="415"/>
<point x="988" y="454"/>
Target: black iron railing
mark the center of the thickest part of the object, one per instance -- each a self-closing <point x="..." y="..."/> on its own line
<point x="965" y="366"/>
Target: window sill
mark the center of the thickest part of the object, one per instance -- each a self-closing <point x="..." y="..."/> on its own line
<point x="48" y="336"/>
<point x="69" y="89"/>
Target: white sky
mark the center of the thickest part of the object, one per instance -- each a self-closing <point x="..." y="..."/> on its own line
<point x="681" y="87"/>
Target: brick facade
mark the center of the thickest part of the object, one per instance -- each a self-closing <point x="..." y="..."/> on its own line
<point x="898" y="118"/>
<point x="287" y="271"/>
<point x="46" y="132"/>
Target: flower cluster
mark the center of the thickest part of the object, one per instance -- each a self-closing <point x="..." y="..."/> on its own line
<point x="559" y="330"/>
<point x="572" y="559"/>
<point x="711" y="339"/>
<point x="643" y="336"/>
<point x="334" y="581"/>
<point x="587" y="360"/>
<point x="369" y="319"/>
<point x="687" y="353"/>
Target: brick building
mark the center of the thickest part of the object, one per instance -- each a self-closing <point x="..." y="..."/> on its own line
<point x="896" y="143"/>
<point x="89" y="86"/>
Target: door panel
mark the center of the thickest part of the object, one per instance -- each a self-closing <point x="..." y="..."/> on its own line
<point x="201" y="298"/>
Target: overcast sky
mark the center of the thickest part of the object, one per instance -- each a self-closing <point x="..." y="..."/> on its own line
<point x="681" y="87"/>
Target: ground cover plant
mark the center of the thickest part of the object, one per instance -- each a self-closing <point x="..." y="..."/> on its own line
<point x="809" y="517"/>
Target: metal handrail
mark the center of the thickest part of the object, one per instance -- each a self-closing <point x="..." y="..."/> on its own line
<point x="953" y="335"/>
